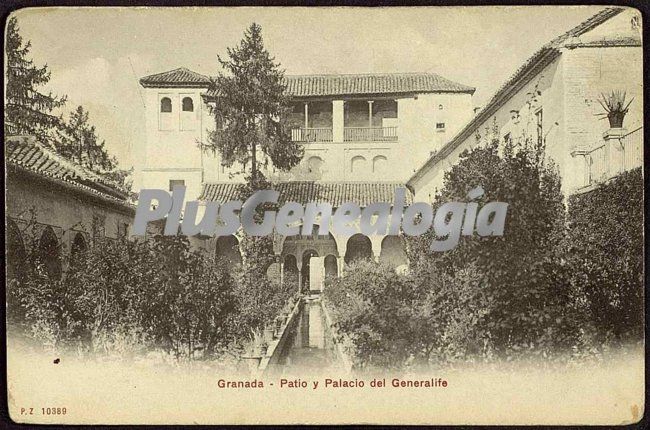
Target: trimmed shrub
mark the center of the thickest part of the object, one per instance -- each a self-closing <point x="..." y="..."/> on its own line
<point x="605" y="252"/>
<point x="519" y="280"/>
<point x="373" y="307"/>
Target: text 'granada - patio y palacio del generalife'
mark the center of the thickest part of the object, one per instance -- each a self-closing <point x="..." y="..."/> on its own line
<point x="365" y="135"/>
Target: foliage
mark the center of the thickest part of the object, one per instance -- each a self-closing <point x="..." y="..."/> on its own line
<point x="522" y="273"/>
<point x="614" y="103"/>
<point x="490" y="297"/>
<point x="128" y="296"/>
<point x="158" y="293"/>
<point x="27" y="109"/>
<point x="251" y="108"/>
<point x="605" y="254"/>
<point x="373" y="306"/>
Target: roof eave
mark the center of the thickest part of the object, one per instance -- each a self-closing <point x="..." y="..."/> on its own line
<point x="174" y="85"/>
<point x="97" y="195"/>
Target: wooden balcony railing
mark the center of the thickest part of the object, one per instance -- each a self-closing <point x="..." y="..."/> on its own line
<point x="311" y="134"/>
<point x="370" y="134"/>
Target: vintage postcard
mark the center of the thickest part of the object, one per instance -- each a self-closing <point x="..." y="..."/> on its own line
<point x="259" y="215"/>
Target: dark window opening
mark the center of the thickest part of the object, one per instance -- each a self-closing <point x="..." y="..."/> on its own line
<point x="174" y="182"/>
<point x="188" y="104"/>
<point x="165" y="104"/>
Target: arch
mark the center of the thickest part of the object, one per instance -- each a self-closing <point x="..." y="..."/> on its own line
<point x="290" y="263"/>
<point x="393" y="252"/>
<point x="315" y="165"/>
<point x="379" y="164"/>
<point x="331" y="267"/>
<point x="306" y="256"/>
<point x="188" y="104"/>
<point x="49" y="253"/>
<point x="357" y="164"/>
<point x="359" y="248"/>
<point x="165" y="105"/>
<point x="227" y="250"/>
<point x="16" y="254"/>
<point x="78" y="248"/>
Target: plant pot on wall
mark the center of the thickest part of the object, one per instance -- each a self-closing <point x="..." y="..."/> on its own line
<point x="614" y="108"/>
<point x="616" y="119"/>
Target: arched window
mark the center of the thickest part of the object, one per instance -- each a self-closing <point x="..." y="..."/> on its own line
<point x="165" y="104"/>
<point x="16" y="255"/>
<point x="306" y="257"/>
<point x="393" y="252"/>
<point x="358" y="164"/>
<point x="49" y="254"/>
<point x="359" y="248"/>
<point x="315" y="166"/>
<point x="188" y="104"/>
<point x="331" y="267"/>
<point x="227" y="250"/>
<point x="379" y="164"/>
<point x="78" y="248"/>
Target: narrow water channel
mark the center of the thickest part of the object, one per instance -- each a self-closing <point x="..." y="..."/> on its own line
<point x="310" y="348"/>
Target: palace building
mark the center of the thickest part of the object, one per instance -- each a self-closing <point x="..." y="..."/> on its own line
<point x="364" y="136"/>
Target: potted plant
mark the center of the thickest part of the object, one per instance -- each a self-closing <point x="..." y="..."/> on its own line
<point x="615" y="108"/>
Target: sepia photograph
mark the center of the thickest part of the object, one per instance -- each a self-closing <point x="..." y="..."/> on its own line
<point x="325" y="215"/>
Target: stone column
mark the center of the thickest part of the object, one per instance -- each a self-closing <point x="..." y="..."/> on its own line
<point x="340" y="264"/>
<point x="337" y="120"/>
<point x="306" y="115"/>
<point x="615" y="151"/>
<point x="376" y="246"/>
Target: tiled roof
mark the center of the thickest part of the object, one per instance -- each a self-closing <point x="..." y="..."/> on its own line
<point x="328" y="85"/>
<point x="388" y="83"/>
<point x="180" y="77"/>
<point x="26" y="153"/>
<point x="545" y="55"/>
<point x="303" y="192"/>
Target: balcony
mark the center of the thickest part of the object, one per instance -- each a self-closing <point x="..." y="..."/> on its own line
<point x="344" y="121"/>
<point x="350" y="134"/>
<point x="370" y="134"/>
<point x="311" y="134"/>
<point x="613" y="157"/>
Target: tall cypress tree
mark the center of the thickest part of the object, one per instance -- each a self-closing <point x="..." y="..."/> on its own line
<point x="77" y="140"/>
<point x="250" y="110"/>
<point x="27" y="110"/>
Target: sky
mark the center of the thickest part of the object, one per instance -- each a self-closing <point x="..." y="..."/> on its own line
<point x="97" y="55"/>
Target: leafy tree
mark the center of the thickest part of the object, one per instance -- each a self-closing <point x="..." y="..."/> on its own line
<point x="27" y="109"/>
<point x="525" y="281"/>
<point x="250" y="111"/>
